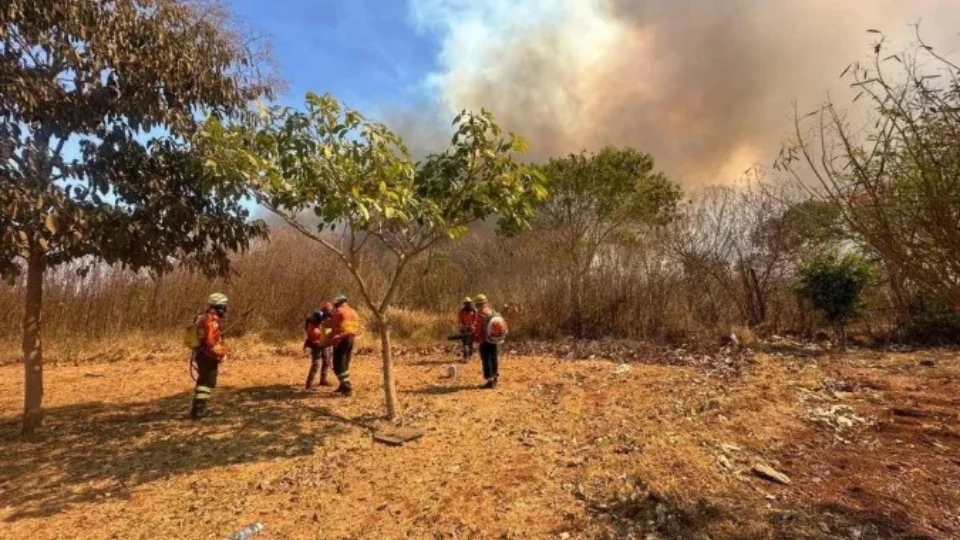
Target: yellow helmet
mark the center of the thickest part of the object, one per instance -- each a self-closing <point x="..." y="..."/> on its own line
<point x="217" y="299"/>
<point x="467" y="300"/>
<point x="480" y="298"/>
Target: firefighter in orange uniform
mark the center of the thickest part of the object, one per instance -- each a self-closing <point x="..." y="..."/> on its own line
<point x="210" y="353"/>
<point x="467" y="322"/>
<point x="344" y="325"/>
<point x="317" y="346"/>
<point x="489" y="352"/>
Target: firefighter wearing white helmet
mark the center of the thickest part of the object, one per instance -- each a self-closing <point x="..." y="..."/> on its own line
<point x="209" y="352"/>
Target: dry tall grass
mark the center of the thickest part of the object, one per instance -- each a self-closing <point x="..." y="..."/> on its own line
<point x="637" y="291"/>
<point x="274" y="287"/>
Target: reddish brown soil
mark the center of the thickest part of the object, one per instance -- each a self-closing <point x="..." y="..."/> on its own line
<point x="904" y="471"/>
<point x="571" y="449"/>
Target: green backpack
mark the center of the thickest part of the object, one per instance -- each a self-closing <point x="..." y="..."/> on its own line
<point x="193" y="333"/>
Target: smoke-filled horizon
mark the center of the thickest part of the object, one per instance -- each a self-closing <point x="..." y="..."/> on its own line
<point x="707" y="87"/>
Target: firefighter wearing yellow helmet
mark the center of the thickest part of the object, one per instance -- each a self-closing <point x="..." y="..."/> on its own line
<point x="467" y="322"/>
<point x="489" y="332"/>
<point x="209" y="352"/>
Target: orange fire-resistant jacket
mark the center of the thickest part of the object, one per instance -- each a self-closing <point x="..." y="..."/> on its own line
<point x="467" y="319"/>
<point x="212" y="331"/>
<point x="345" y="322"/>
<point x="483" y="315"/>
<point x="314" y="332"/>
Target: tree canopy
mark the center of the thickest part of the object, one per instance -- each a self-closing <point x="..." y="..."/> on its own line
<point x="597" y="199"/>
<point x="99" y="105"/>
<point x="596" y="195"/>
<point x="357" y="179"/>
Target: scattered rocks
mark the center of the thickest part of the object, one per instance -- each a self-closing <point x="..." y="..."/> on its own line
<point x="452" y="371"/>
<point x="839" y="417"/>
<point x="769" y="473"/>
<point x="622" y="369"/>
<point x="790" y="344"/>
<point x="729" y="358"/>
<point x="730" y="448"/>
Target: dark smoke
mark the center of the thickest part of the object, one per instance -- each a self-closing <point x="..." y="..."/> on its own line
<point x="706" y="86"/>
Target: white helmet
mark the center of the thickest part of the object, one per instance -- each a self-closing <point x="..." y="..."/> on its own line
<point x="217" y="299"/>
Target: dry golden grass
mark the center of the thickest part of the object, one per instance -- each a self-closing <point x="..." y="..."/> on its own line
<point x="746" y="336"/>
<point x="412" y="328"/>
<point x="278" y="283"/>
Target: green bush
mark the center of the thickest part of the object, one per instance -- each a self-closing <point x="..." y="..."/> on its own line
<point x="933" y="323"/>
<point x="835" y="287"/>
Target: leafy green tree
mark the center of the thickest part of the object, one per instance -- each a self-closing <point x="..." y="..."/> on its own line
<point x="598" y="198"/>
<point x="835" y="287"/>
<point x="98" y="107"/>
<point x="357" y="180"/>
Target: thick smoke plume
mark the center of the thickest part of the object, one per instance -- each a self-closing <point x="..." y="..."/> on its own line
<point x="706" y="86"/>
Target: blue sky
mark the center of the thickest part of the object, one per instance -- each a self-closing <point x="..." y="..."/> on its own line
<point x="367" y="53"/>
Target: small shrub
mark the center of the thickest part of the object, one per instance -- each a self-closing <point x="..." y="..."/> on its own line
<point x="835" y="287"/>
<point x="933" y="324"/>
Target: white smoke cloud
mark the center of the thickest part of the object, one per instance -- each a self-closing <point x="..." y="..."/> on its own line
<point x="706" y="86"/>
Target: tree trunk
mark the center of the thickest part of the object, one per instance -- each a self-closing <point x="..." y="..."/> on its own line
<point x="578" y="307"/>
<point x="579" y="291"/>
<point x="759" y="298"/>
<point x="841" y="330"/>
<point x="753" y="296"/>
<point x="386" y="354"/>
<point x="32" y="350"/>
<point x="901" y="305"/>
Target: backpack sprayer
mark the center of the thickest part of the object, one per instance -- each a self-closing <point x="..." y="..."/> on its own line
<point x="464" y="338"/>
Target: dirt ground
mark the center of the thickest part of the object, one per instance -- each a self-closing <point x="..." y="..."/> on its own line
<point x="563" y="449"/>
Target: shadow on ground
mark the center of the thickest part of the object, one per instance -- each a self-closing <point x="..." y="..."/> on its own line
<point x="88" y="450"/>
<point x="654" y="515"/>
<point x="442" y="390"/>
<point x="436" y="362"/>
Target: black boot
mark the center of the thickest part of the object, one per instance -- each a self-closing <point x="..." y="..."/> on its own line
<point x="198" y="409"/>
<point x="311" y="375"/>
